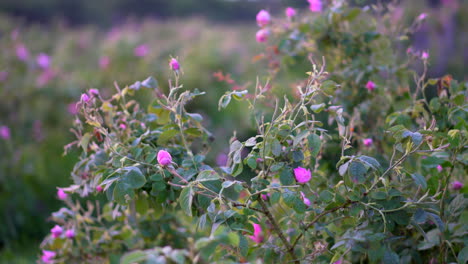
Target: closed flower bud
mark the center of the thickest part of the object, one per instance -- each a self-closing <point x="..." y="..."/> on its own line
<point x="425" y="55"/>
<point x="457" y="185"/>
<point x="305" y="199"/>
<point x="302" y="175"/>
<point x="61" y="194"/>
<point x="370" y="85"/>
<point x="174" y="64"/>
<point x="367" y="142"/>
<point x="263" y="18"/>
<point x="99" y="188"/>
<point x="164" y="158"/>
<point x="70" y="233"/>
<point x="84" y="98"/>
<point x="56" y="231"/>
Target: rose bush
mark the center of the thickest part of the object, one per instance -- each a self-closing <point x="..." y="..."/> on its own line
<point x="358" y="164"/>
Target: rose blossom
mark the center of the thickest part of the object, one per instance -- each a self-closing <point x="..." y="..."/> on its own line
<point x="164" y="158"/>
<point x="457" y="185"/>
<point x="262" y="35"/>
<point x="263" y="18"/>
<point x="174" y="64"/>
<point x="70" y="233"/>
<point x="257" y="236"/>
<point x="290" y="12"/>
<point x="315" y="5"/>
<point x="302" y="175"/>
<point x="370" y="85"/>
<point x="56" y="231"/>
<point x="47" y="256"/>
<point x="367" y="142"/>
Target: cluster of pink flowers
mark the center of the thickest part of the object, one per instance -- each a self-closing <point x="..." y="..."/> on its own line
<point x="57" y="231"/>
<point x="263" y="20"/>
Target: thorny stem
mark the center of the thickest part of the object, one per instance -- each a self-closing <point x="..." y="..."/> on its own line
<point x="309" y="225"/>
<point x="278" y="231"/>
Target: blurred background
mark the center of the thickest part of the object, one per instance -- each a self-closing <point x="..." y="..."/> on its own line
<point x="53" y="50"/>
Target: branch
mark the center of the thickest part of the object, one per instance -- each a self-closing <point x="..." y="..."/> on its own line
<point x="316" y="219"/>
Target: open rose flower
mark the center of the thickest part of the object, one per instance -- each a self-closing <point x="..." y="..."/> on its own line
<point x="263" y="18"/>
<point x="257" y="236"/>
<point x="315" y="5"/>
<point x="302" y="175"/>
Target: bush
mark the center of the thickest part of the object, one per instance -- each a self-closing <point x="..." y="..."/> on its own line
<point x="332" y="174"/>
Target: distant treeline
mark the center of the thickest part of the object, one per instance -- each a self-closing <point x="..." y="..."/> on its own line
<point x="107" y="12"/>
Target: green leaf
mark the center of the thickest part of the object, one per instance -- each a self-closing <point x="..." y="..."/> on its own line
<point x="276" y="147"/>
<point x="252" y="163"/>
<point x="297" y="139"/>
<point x="186" y="199"/>
<point x="207" y="175"/>
<point x="416" y="137"/>
<point x="463" y="255"/>
<point x="196" y="117"/>
<point x="371" y="162"/>
<point x="390" y="257"/>
<point x="314" y="144"/>
<point x="122" y="191"/>
<point x="133" y="257"/>
<point x="419" y="180"/>
<point x="166" y="136"/>
<point x="286" y="176"/>
<point x="420" y="216"/>
<point x="318" y="107"/>
<point x="133" y="177"/>
<point x="357" y="171"/>
<point x="326" y="196"/>
<point x="436" y="219"/>
<point x="150" y="82"/>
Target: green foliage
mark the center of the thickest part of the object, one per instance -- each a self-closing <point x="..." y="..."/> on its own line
<point x="381" y="201"/>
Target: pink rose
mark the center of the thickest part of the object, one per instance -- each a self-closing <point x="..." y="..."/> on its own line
<point x="43" y="60"/>
<point x="290" y="12"/>
<point x="123" y="126"/>
<point x="5" y="132"/>
<point x="141" y="50"/>
<point x="84" y="98"/>
<point x="174" y="64"/>
<point x="93" y="92"/>
<point x="263" y="18"/>
<point x="164" y="158"/>
<point x="440" y="168"/>
<point x="367" y="142"/>
<point x="315" y="5"/>
<point x="47" y="256"/>
<point x="56" y="231"/>
<point x="302" y="175"/>
<point x="305" y="199"/>
<point x="61" y="194"/>
<point x="370" y="85"/>
<point x="257" y="236"/>
<point x="70" y="233"/>
<point x="457" y="185"/>
<point x="262" y="35"/>
<point x="425" y="55"/>
<point x="22" y="52"/>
